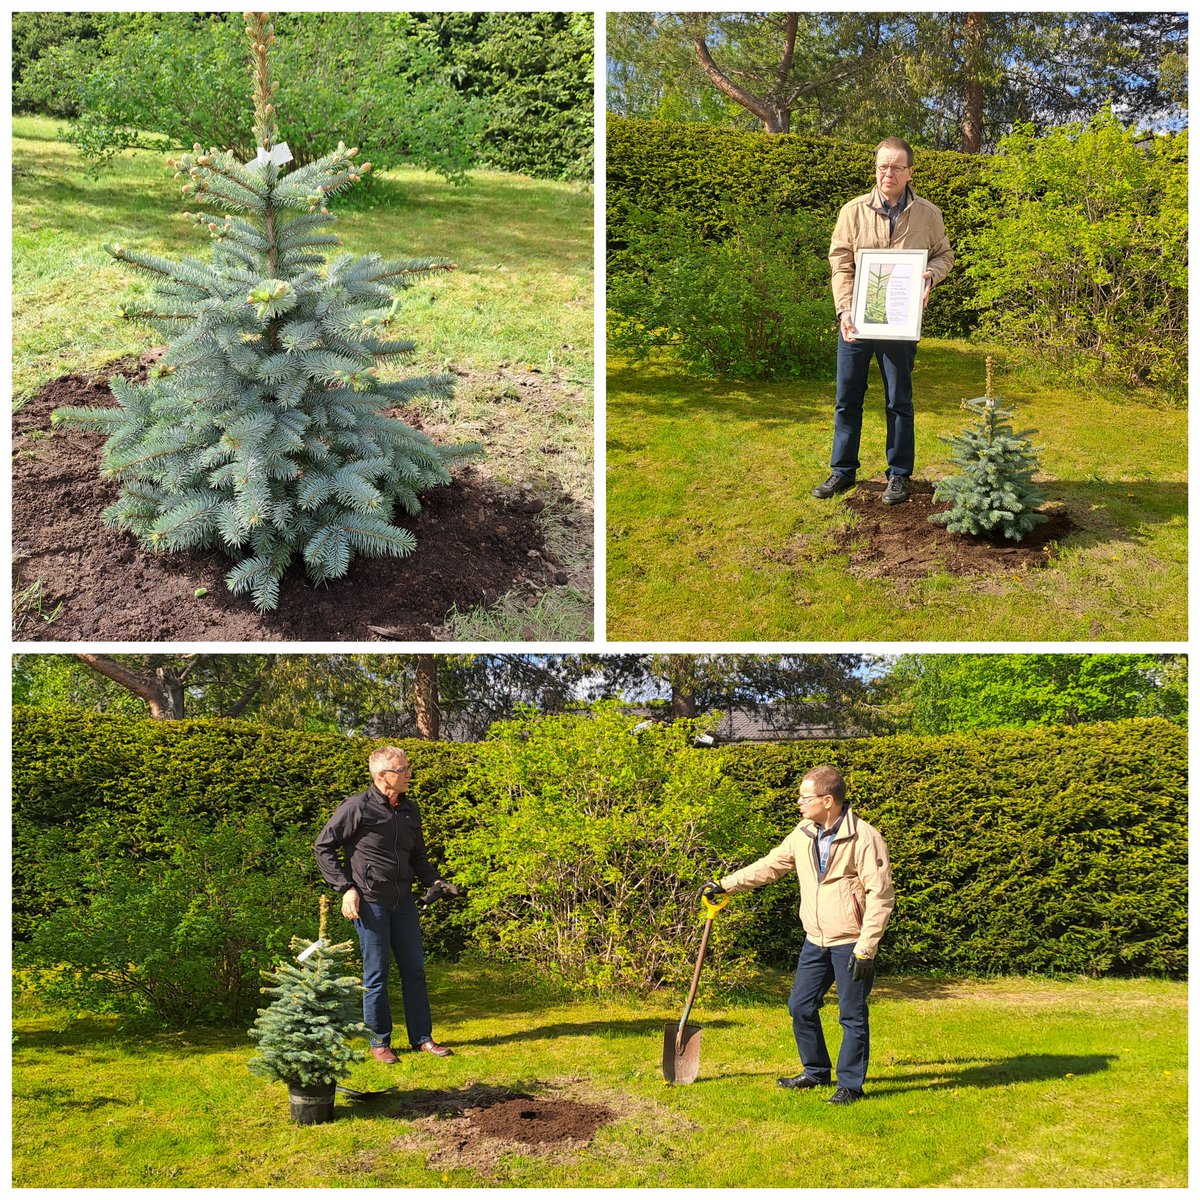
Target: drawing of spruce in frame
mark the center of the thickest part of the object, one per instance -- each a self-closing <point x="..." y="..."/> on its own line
<point x="877" y="286"/>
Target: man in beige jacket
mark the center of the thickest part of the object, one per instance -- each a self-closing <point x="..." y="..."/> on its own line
<point x="846" y="900"/>
<point x="891" y="216"/>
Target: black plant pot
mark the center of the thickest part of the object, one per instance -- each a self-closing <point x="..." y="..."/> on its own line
<point x="311" y="1105"/>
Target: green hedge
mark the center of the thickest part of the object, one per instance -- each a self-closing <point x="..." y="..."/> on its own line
<point x="71" y="769"/>
<point x="696" y="169"/>
<point x="1052" y="850"/>
<point x="1057" y="850"/>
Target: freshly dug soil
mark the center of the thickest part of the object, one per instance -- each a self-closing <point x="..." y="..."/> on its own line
<point x="474" y="542"/>
<point x="539" y="1121"/>
<point x="900" y="542"/>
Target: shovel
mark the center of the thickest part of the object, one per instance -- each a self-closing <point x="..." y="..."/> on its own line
<point x="681" y="1043"/>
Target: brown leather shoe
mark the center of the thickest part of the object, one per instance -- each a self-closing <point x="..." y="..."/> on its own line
<point x="385" y="1054"/>
<point x="432" y="1047"/>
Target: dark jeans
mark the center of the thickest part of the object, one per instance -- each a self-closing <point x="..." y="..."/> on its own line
<point x="853" y="367"/>
<point x="818" y="968"/>
<point x="382" y="932"/>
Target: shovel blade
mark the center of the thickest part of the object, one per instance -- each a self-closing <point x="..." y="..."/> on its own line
<point x="681" y="1056"/>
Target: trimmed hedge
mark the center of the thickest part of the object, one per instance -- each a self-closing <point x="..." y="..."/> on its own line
<point x="1044" y="850"/>
<point x="696" y="169"/>
<point x="1055" y="850"/>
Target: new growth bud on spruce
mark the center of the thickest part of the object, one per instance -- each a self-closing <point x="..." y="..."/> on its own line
<point x="264" y="435"/>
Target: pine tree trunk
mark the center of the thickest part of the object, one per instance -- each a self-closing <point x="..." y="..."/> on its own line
<point x="972" y="122"/>
<point x="425" y="698"/>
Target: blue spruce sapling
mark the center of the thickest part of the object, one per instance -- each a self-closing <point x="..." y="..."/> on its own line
<point x="994" y="493"/>
<point x="302" y="1034"/>
<point x="264" y="432"/>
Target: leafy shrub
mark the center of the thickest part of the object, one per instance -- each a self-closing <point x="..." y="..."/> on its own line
<point x="720" y="177"/>
<point x="181" y="76"/>
<point x="589" y="845"/>
<point x="752" y="305"/>
<point x="445" y="90"/>
<point x="1083" y="257"/>
<point x="178" y="938"/>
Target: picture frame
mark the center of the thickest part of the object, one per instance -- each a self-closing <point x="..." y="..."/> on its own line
<point x="888" y="286"/>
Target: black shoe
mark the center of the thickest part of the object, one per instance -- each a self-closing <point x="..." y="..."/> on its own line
<point x="834" y="484"/>
<point x="801" y="1083"/>
<point x="844" y="1096"/>
<point x="896" y="491"/>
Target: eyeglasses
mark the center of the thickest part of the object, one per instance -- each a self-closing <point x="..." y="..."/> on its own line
<point x="889" y="167"/>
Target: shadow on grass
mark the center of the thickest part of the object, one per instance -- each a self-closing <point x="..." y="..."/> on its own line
<point x="411" y="1105"/>
<point x="640" y="1027"/>
<point x="1094" y="505"/>
<point x="942" y="378"/>
<point x="1021" y="1068"/>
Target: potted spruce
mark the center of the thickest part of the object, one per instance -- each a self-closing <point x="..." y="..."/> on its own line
<point x="302" y="1034"/>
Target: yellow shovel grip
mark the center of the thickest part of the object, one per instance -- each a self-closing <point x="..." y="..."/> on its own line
<point x="711" y="907"/>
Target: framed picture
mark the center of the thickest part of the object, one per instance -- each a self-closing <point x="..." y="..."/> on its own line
<point x="888" y="285"/>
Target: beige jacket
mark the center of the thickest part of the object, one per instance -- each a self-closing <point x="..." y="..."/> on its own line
<point x="862" y="225"/>
<point x="854" y="900"/>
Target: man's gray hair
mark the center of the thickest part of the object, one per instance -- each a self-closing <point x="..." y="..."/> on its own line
<point x="384" y="757"/>
<point x="896" y="143"/>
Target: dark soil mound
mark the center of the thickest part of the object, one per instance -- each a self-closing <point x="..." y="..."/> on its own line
<point x="538" y="1121"/>
<point x="474" y="543"/>
<point x="900" y="541"/>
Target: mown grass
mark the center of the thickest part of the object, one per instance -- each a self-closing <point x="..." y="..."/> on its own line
<point x="521" y="294"/>
<point x="1004" y="1083"/>
<point x="713" y="535"/>
<point x="520" y="299"/>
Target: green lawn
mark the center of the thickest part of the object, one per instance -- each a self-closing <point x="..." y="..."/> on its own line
<point x="522" y="293"/>
<point x="1004" y="1083"/>
<point x="712" y="533"/>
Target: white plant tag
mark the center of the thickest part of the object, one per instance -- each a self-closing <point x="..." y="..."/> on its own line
<point x="311" y="950"/>
<point x="278" y="155"/>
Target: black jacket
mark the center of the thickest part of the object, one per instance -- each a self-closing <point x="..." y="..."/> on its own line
<point x="384" y="848"/>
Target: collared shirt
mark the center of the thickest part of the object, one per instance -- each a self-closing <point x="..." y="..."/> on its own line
<point x="825" y="843"/>
<point x="892" y="211"/>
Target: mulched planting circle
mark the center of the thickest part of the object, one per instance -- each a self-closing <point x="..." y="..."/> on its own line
<point x="540" y="1121"/>
<point x="900" y="542"/>
<point x="475" y="541"/>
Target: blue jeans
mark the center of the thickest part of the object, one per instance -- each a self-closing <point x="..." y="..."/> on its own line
<point x="819" y="967"/>
<point x="382" y="932"/>
<point x="853" y="367"/>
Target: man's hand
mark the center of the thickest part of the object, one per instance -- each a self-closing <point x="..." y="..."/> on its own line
<point x="848" y="330"/>
<point x="862" y="970"/>
<point x="712" y="892"/>
<point x="928" y="288"/>
<point x="437" y="890"/>
<point x="350" y="904"/>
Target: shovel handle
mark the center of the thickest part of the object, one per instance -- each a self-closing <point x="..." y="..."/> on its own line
<point x="691" y="999"/>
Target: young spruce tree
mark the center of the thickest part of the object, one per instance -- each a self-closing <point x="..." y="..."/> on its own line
<point x="264" y="431"/>
<point x="994" y="493"/>
<point x="302" y="1033"/>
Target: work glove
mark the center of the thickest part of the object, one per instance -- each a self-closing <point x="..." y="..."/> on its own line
<point x="862" y="970"/>
<point x="712" y="892"/>
<point x="437" y="890"/>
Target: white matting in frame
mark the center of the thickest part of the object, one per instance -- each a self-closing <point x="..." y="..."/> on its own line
<point x="888" y="286"/>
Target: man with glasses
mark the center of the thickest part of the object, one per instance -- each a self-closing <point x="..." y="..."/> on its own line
<point x="846" y="901"/>
<point x="379" y="834"/>
<point x="891" y="216"/>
